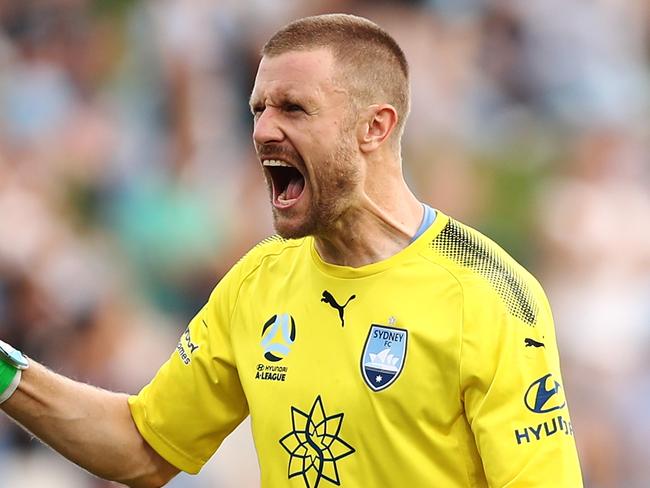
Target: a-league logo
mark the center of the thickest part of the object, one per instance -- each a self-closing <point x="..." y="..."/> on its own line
<point x="278" y="335"/>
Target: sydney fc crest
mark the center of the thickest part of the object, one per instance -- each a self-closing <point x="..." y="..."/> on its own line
<point x="383" y="356"/>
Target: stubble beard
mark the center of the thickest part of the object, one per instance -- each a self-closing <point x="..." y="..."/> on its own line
<point x="338" y="176"/>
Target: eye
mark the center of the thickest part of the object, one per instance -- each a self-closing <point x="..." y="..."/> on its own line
<point x="257" y="110"/>
<point x="293" y="107"/>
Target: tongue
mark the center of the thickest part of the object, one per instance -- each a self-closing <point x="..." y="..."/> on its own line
<point x="294" y="188"/>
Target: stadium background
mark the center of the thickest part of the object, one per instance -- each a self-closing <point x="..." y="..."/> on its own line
<point x="128" y="186"/>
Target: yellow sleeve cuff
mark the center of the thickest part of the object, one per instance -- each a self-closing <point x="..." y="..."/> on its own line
<point x="158" y="443"/>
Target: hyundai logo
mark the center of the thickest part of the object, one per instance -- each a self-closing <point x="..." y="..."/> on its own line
<point x="544" y="395"/>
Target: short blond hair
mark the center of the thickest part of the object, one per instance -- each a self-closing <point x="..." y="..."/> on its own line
<point x="374" y="67"/>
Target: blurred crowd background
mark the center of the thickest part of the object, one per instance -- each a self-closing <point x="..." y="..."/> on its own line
<point x="128" y="186"/>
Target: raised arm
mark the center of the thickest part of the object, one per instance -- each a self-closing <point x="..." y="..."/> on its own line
<point x="90" y="426"/>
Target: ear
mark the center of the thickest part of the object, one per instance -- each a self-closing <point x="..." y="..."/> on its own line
<point x="376" y="125"/>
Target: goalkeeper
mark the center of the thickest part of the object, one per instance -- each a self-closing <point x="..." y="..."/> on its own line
<point x="374" y="342"/>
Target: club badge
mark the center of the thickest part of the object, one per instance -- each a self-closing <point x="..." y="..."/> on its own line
<point x="383" y="356"/>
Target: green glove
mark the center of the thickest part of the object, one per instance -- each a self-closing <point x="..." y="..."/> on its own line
<point x="12" y="362"/>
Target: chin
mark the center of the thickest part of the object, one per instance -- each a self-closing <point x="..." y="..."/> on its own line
<point x="292" y="228"/>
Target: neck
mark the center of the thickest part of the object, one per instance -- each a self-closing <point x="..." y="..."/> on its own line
<point x="374" y="229"/>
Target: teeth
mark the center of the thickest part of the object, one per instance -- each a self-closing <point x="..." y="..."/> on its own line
<point x="276" y="162"/>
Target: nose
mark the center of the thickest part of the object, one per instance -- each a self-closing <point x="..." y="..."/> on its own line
<point x="266" y="128"/>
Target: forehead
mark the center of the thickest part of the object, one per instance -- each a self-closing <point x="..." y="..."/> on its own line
<point x="295" y="73"/>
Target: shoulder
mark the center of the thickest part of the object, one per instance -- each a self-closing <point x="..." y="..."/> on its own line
<point x="488" y="275"/>
<point x="270" y="249"/>
<point x="260" y="263"/>
<point x="266" y="253"/>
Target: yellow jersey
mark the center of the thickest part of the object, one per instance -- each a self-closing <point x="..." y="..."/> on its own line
<point x="436" y="367"/>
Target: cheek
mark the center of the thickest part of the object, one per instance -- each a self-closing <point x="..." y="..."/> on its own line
<point x="330" y="132"/>
<point x="328" y="152"/>
<point x="344" y="169"/>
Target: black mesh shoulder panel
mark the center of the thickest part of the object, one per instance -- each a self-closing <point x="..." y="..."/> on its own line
<point x="470" y="249"/>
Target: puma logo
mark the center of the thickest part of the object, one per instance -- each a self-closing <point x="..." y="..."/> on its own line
<point x="331" y="301"/>
<point x="531" y="342"/>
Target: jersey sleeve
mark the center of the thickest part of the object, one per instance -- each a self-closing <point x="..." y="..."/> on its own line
<point x="196" y="399"/>
<point x="512" y="388"/>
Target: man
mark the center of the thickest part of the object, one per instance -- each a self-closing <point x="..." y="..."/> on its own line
<point x="374" y="342"/>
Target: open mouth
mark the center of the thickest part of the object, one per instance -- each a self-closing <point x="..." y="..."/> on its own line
<point x="287" y="181"/>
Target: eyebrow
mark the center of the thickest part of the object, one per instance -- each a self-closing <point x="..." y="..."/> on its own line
<point x="253" y="99"/>
<point x="287" y="96"/>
